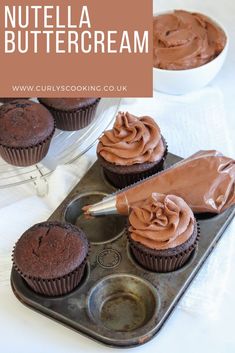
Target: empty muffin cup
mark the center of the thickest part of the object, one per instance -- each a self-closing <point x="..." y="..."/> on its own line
<point x="99" y="229"/>
<point x="205" y="216"/>
<point x="122" y="303"/>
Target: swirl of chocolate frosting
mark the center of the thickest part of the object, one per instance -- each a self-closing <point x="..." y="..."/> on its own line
<point x="132" y="141"/>
<point x="161" y="222"/>
<point x="184" y="40"/>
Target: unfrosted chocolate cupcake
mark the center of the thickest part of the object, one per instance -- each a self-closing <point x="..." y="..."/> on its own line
<point x="71" y="113"/>
<point x="7" y="100"/>
<point x="26" y="130"/>
<point x="51" y="257"/>
<point x="163" y="233"/>
<point x="133" y="150"/>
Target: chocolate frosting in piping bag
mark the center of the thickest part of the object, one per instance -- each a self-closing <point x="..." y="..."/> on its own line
<point x="206" y="181"/>
<point x="132" y="141"/>
<point x="161" y="222"/>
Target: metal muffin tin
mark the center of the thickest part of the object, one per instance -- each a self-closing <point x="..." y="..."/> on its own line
<point x="118" y="302"/>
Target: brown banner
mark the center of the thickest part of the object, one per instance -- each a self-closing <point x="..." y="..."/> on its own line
<point x="76" y="48"/>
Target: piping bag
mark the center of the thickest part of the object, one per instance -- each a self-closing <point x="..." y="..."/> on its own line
<point x="205" y="180"/>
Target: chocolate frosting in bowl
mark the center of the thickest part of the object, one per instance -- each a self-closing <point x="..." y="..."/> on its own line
<point x="206" y="181"/>
<point x="184" y="40"/>
<point x="161" y="222"/>
<point x="132" y="141"/>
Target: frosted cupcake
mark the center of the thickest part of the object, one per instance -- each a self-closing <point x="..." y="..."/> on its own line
<point x="163" y="233"/>
<point x="132" y="150"/>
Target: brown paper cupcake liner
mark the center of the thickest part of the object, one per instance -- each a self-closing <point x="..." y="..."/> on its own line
<point x="73" y="120"/>
<point x="26" y="156"/>
<point x="120" y="181"/>
<point x="55" y="287"/>
<point x="163" y="263"/>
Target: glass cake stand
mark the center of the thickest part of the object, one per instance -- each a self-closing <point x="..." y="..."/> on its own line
<point x="66" y="147"/>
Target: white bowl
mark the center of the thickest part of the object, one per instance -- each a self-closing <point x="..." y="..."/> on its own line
<point x="184" y="81"/>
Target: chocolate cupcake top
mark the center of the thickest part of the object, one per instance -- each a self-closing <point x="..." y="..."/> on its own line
<point x="67" y="104"/>
<point x="24" y="123"/>
<point x="161" y="222"/>
<point x="50" y="250"/>
<point x="132" y="140"/>
<point x="6" y="100"/>
<point x="184" y="40"/>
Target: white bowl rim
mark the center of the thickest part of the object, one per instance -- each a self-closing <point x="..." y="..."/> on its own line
<point x="213" y="20"/>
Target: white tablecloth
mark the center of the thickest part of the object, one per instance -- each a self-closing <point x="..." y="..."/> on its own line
<point x="203" y="321"/>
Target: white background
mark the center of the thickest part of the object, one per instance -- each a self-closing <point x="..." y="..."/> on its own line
<point x="194" y="330"/>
